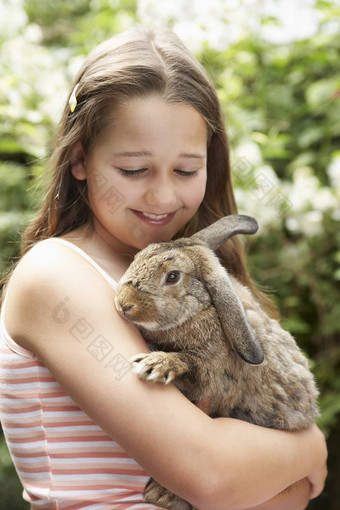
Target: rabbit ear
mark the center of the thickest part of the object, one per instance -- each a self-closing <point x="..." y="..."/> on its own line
<point x="220" y="231"/>
<point x="227" y="303"/>
<point x="233" y="318"/>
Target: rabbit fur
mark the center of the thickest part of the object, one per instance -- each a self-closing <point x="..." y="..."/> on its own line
<point x="214" y="341"/>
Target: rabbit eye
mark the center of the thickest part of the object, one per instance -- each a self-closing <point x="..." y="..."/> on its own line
<point x="172" y="277"/>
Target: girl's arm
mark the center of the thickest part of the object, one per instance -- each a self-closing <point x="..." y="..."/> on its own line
<point x="295" y="497"/>
<point x="68" y="318"/>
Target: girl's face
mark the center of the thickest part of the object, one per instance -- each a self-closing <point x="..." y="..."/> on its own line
<point x="146" y="173"/>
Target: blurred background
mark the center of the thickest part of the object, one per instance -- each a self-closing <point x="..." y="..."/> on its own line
<point x="276" y="67"/>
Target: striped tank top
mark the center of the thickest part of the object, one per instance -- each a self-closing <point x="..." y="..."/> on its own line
<point x="63" y="459"/>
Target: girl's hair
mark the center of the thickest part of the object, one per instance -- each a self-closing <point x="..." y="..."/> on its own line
<point x="138" y="63"/>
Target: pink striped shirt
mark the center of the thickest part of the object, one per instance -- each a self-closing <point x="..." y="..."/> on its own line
<point x="63" y="459"/>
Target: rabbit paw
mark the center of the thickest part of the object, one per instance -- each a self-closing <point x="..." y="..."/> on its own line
<point x="159" y="366"/>
<point x="157" y="495"/>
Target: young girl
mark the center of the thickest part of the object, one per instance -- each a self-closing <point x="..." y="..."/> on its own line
<point x="141" y="156"/>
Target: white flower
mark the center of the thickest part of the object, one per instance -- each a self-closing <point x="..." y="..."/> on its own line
<point x="324" y="200"/>
<point x="224" y="21"/>
<point x="293" y="224"/>
<point x="33" y="33"/>
<point x="269" y="173"/>
<point x="36" y="73"/>
<point x="191" y="34"/>
<point x="290" y="13"/>
<point x="333" y="171"/>
<point x="308" y="223"/>
<point x="248" y="151"/>
<point x="311" y="223"/>
<point x="305" y="187"/>
<point x="336" y="215"/>
<point x="12" y="18"/>
<point x="266" y="213"/>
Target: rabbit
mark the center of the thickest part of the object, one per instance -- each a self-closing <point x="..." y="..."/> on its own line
<point x="215" y="341"/>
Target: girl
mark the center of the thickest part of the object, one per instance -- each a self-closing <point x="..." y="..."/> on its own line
<point x="141" y="156"/>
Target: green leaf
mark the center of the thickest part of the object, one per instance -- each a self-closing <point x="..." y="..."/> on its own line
<point x="322" y="92"/>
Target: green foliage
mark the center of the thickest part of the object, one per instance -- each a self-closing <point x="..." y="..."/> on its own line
<point x="19" y="190"/>
<point x="80" y="24"/>
<point x="10" y="486"/>
<point x="289" y="96"/>
<point x="282" y="108"/>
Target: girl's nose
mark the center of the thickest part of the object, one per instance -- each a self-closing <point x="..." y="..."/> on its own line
<point x="161" y="194"/>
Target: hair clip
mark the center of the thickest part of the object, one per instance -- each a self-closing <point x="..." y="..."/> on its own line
<point x="73" y="100"/>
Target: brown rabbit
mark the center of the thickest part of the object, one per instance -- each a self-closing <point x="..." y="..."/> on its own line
<point x="214" y="339"/>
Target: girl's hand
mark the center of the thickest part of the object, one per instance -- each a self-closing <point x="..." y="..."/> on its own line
<point x="296" y="497"/>
<point x="317" y="481"/>
<point x="204" y="405"/>
<point x="318" y="476"/>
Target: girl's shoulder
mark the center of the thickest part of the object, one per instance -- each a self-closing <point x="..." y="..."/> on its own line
<point x="106" y="268"/>
<point x="57" y="259"/>
<point x="47" y="275"/>
<point x="49" y="264"/>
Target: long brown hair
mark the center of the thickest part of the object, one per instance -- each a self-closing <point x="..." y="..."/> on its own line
<point x="138" y="63"/>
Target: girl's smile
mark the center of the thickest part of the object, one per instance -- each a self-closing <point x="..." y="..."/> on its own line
<point x="151" y="164"/>
<point x="154" y="219"/>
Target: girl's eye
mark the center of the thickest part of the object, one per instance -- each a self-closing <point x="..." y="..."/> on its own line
<point x="172" y="277"/>
<point x="135" y="173"/>
<point x="131" y="173"/>
<point x="186" y="174"/>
